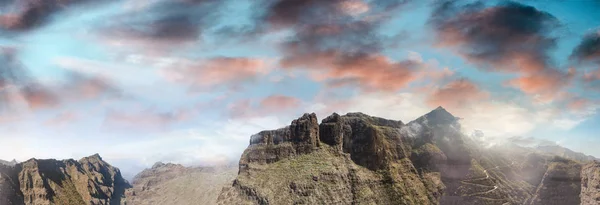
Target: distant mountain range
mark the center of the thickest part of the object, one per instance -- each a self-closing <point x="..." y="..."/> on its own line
<point x="11" y="163"/>
<point x="345" y="159"/>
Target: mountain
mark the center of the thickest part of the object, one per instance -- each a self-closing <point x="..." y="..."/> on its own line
<point x="44" y="182"/>
<point x="11" y="163"/>
<point x="361" y="159"/>
<point x="344" y="159"/>
<point x="178" y="185"/>
<point x="566" y="153"/>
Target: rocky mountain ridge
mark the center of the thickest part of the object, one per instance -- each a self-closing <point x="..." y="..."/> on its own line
<point x="344" y="159"/>
<point x="89" y="180"/>
<point x="360" y="159"/>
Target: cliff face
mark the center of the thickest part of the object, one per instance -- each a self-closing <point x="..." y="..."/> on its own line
<point x="347" y="159"/>
<point x="178" y="185"/>
<point x="590" y="184"/>
<point x="360" y="159"/>
<point x="561" y="184"/>
<point x="45" y="182"/>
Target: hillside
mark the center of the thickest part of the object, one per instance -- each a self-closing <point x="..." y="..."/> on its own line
<point x="178" y="185"/>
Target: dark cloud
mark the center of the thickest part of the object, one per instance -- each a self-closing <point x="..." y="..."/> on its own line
<point x="588" y="50"/>
<point x="339" y="39"/>
<point x="498" y="35"/>
<point x="162" y="24"/>
<point x="587" y="53"/>
<point x="509" y="37"/>
<point x="23" y="15"/>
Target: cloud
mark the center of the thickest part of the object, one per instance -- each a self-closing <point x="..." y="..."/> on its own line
<point x="62" y="119"/>
<point x="588" y="53"/>
<point x="592" y="76"/>
<point x="18" y="87"/>
<point x="346" y="46"/>
<point x="457" y="94"/>
<point x="160" y="26"/>
<point x="19" y="90"/>
<point x="509" y="37"/>
<point x="215" y="72"/>
<point x="280" y="102"/>
<point x="368" y="71"/>
<point x="24" y="15"/>
<point x="280" y="105"/>
<point x="145" y="120"/>
<point x="588" y="49"/>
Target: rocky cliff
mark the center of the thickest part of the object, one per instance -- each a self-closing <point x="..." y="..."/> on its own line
<point x="350" y="159"/>
<point x="175" y="184"/>
<point x="360" y="159"/>
<point x="46" y="182"/>
<point x="590" y="184"/>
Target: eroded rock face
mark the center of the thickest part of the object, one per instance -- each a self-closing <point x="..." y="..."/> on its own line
<point x="9" y="186"/>
<point x="87" y="181"/>
<point x="351" y="159"/>
<point x="301" y="137"/>
<point x="590" y="184"/>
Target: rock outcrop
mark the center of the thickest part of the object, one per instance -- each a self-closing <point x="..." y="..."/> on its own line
<point x="175" y="184"/>
<point x="590" y="184"/>
<point x="44" y="182"/>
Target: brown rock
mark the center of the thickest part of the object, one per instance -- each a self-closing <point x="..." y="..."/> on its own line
<point x="590" y="184"/>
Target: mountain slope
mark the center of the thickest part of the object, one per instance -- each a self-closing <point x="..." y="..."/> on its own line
<point x="178" y="185"/>
<point x="44" y="182"/>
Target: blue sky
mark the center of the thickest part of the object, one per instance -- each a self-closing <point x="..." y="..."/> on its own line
<point x="186" y="81"/>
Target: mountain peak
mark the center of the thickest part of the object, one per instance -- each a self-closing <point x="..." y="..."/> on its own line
<point x="96" y="156"/>
<point x="438" y="116"/>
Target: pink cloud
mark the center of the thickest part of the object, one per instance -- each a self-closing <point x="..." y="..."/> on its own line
<point x="274" y="104"/>
<point x="457" y="94"/>
<point x="208" y="73"/>
<point x="280" y="102"/>
<point x="369" y="71"/>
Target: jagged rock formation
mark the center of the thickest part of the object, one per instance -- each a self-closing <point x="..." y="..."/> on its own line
<point x="590" y="184"/>
<point x="178" y="185"/>
<point x="360" y="159"/>
<point x="46" y="182"/>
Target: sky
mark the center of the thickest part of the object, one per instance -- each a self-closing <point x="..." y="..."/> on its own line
<point x="189" y="81"/>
